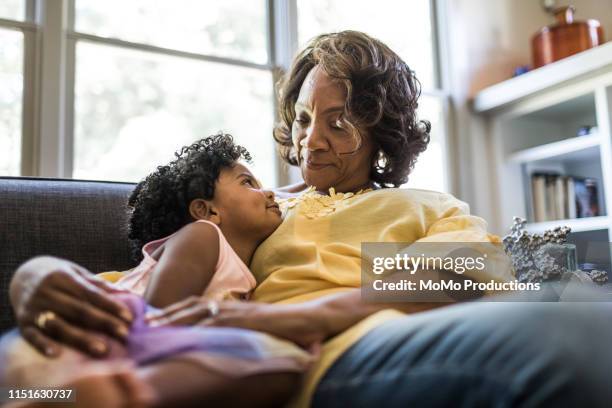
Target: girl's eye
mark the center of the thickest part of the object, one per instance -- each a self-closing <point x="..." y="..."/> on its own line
<point x="248" y="181"/>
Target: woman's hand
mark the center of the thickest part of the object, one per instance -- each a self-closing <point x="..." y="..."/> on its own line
<point x="304" y="323"/>
<point x="59" y="302"/>
<point x="298" y="323"/>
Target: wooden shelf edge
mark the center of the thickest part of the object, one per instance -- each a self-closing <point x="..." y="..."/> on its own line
<point x="543" y="78"/>
<point x="555" y="149"/>
<point x="577" y="225"/>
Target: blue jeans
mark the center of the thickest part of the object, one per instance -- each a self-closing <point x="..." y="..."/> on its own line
<point x="480" y="354"/>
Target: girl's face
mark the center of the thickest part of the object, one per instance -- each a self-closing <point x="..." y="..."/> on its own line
<point x="330" y="154"/>
<point x="244" y="206"/>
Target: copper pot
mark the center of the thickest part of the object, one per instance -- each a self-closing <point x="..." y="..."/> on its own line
<point x="564" y="38"/>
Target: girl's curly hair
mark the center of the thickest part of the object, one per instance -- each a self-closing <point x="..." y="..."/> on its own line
<point x="382" y="94"/>
<point x="159" y="204"/>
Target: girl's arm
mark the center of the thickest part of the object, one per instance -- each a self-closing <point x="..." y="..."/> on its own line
<point x="185" y="266"/>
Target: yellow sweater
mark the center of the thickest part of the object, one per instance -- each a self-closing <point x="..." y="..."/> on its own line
<point x="317" y="250"/>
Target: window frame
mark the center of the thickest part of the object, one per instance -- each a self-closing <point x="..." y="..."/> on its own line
<point x="47" y="145"/>
<point x="30" y="30"/>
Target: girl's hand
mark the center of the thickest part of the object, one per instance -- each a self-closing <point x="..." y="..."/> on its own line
<point x="297" y="323"/>
<point x="59" y="302"/>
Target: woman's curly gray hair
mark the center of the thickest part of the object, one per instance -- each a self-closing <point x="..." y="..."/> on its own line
<point x="382" y="94"/>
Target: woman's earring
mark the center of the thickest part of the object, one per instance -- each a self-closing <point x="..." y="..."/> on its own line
<point x="381" y="160"/>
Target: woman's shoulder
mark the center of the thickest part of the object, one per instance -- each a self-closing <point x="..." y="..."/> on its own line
<point x="409" y="200"/>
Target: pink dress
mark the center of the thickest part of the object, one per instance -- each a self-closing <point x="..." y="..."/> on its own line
<point x="232" y="278"/>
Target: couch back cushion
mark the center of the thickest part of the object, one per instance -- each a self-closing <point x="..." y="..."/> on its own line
<point x="83" y="221"/>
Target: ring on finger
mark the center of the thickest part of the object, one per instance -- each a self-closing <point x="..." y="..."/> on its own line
<point x="213" y="308"/>
<point x="44" y="318"/>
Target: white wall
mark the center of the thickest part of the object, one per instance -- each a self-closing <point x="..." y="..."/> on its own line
<point x="492" y="37"/>
<point x="486" y="39"/>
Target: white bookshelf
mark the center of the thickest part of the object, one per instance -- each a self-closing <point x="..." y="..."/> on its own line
<point x="533" y="121"/>
<point x="576" y="67"/>
<point x="574" y="148"/>
<point x="577" y="224"/>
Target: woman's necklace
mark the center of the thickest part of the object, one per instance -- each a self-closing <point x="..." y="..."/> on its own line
<point x="313" y="204"/>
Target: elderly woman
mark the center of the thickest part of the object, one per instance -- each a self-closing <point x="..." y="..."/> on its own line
<point x="348" y="120"/>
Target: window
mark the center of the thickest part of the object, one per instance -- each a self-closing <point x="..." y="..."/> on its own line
<point x="11" y="86"/>
<point x="11" y="78"/>
<point x="408" y="28"/>
<point x="160" y="87"/>
<point x="164" y="103"/>
<point x="13" y="9"/>
<point x="137" y="80"/>
<point x="405" y="26"/>
<point x="228" y="28"/>
<point x="429" y="171"/>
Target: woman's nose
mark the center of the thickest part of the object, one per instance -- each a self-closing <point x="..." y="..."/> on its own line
<point x="315" y="138"/>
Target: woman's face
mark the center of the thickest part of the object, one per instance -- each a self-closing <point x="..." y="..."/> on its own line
<point x="329" y="154"/>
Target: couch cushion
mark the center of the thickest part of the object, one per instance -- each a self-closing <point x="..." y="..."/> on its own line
<point x="84" y="221"/>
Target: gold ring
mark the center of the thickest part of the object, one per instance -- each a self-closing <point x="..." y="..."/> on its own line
<point x="213" y="308"/>
<point x="43" y="318"/>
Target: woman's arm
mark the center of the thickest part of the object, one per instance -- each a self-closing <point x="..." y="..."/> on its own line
<point x="79" y="301"/>
<point x="303" y="323"/>
<point x="185" y="266"/>
<point x="340" y="311"/>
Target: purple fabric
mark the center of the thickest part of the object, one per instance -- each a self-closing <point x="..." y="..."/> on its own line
<point x="146" y="344"/>
<point x="231" y="351"/>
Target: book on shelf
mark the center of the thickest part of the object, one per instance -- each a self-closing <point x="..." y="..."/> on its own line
<point x="538" y="194"/>
<point x="558" y="197"/>
<point x="586" y="197"/>
<point x="571" y="204"/>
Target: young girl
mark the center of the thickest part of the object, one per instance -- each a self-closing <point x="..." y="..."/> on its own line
<point x="195" y="223"/>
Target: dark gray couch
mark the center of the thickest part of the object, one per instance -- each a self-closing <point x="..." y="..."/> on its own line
<point x="84" y="221"/>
